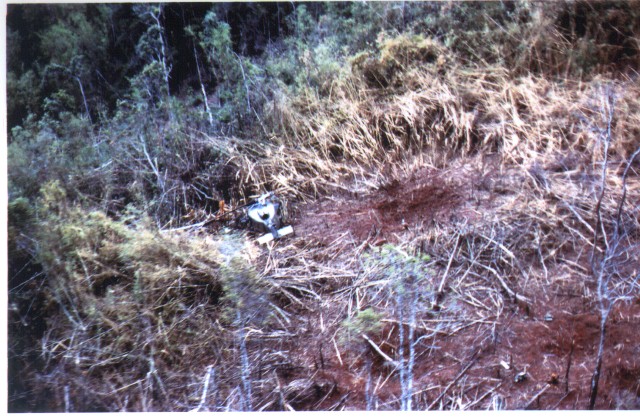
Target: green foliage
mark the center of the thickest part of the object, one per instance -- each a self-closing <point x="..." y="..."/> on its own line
<point x="73" y="243"/>
<point x="77" y="33"/>
<point x="310" y="61"/>
<point x="393" y="263"/>
<point x="366" y="321"/>
<point x="397" y="56"/>
<point x="53" y="199"/>
<point x="302" y="23"/>
<point x="235" y="76"/>
<point x="215" y="40"/>
<point x="89" y="248"/>
<point x="122" y="293"/>
<point x="70" y="49"/>
<point x="20" y="212"/>
<point x="149" y="91"/>
<point x="356" y="24"/>
<point x="20" y="221"/>
<point x="24" y="92"/>
<point x="152" y="83"/>
<point x="59" y="147"/>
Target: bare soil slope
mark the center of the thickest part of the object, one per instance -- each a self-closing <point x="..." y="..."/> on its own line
<point x="537" y="321"/>
<point x="423" y="198"/>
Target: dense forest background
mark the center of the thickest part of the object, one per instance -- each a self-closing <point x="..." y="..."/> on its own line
<point x="129" y="123"/>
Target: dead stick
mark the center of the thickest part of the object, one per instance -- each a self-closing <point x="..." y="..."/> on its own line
<point x="566" y="375"/>
<point x="538" y="394"/>
<point x="282" y="400"/>
<point x="378" y="350"/>
<point x="478" y="400"/>
<point x="455" y="380"/>
<point x="555" y="406"/>
<point x="446" y="272"/>
<point x="504" y="284"/>
<point x="335" y="345"/>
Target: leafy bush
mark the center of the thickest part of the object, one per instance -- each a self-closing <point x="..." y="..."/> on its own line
<point x="402" y="274"/>
<point x="58" y="147"/>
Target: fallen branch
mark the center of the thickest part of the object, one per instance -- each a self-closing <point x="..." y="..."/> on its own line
<point x="508" y="252"/>
<point x="479" y="399"/>
<point x="378" y="350"/>
<point x="504" y="285"/>
<point x="446" y="272"/>
<point x="455" y="380"/>
<point x="538" y="394"/>
<point x="335" y="345"/>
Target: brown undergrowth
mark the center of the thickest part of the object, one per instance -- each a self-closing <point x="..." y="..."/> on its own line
<point x="488" y="181"/>
<point x="497" y="179"/>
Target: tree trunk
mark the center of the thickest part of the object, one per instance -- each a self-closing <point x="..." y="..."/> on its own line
<point x="595" y="378"/>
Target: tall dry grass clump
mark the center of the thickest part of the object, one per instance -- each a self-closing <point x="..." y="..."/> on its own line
<point x="428" y="105"/>
<point x="479" y="77"/>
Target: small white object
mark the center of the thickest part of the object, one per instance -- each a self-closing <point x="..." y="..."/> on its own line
<point x="520" y="377"/>
<point x="269" y="237"/>
<point x="505" y="365"/>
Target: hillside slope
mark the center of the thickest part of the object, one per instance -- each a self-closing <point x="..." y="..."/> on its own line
<point x="461" y="178"/>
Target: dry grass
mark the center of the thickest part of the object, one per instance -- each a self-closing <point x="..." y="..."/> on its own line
<point x="359" y="132"/>
<point x="137" y="306"/>
<point x="539" y="193"/>
<point x="532" y="143"/>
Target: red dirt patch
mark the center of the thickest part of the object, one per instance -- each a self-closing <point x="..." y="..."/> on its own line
<point x="420" y="200"/>
<point x="553" y="337"/>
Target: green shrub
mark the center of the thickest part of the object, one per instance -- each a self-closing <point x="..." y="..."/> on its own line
<point x="397" y="55"/>
<point x="366" y="322"/>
